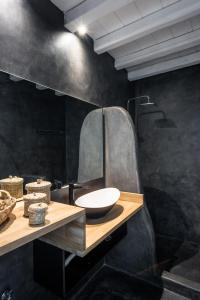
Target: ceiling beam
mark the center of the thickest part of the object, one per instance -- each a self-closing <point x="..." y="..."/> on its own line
<point x="177" y="12"/>
<point x="65" y="5"/>
<point x="166" y="66"/>
<point x="89" y="11"/>
<point x="171" y="46"/>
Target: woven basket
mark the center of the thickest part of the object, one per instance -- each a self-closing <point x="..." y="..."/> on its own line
<point x="11" y="202"/>
<point x="40" y="186"/>
<point x="13" y="185"/>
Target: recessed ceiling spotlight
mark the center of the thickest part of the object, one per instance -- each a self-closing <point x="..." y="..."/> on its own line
<point x="82" y="30"/>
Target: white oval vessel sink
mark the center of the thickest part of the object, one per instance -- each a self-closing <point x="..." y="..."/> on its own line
<point x="98" y="203"/>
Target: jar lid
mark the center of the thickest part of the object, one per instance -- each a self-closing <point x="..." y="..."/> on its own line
<point x="38" y="207"/>
<point x="34" y="196"/>
<point x="39" y="183"/>
<point x="12" y="180"/>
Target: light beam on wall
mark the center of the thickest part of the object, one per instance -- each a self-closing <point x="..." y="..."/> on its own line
<point x="82" y="30"/>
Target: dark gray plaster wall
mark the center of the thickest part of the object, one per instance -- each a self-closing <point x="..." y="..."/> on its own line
<point x="16" y="272"/>
<point x="35" y="45"/>
<point x="169" y="158"/>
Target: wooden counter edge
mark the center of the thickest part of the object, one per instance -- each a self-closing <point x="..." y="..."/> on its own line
<point x="42" y="230"/>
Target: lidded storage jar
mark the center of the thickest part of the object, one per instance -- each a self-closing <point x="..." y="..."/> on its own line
<point x="13" y="185"/>
<point x="32" y="199"/>
<point x="40" y="186"/>
<point x="37" y="213"/>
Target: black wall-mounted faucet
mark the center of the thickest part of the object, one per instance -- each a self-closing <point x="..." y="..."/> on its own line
<point x="91" y="185"/>
<point x="72" y="188"/>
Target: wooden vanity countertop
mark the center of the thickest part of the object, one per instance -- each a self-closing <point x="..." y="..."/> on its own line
<point x="16" y="231"/>
<point x="66" y="226"/>
<point x="81" y="236"/>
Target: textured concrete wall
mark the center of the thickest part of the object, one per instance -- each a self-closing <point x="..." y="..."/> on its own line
<point x="136" y="252"/>
<point x="35" y="45"/>
<point x="169" y="158"/>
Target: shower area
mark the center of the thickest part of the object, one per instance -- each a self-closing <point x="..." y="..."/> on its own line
<point x="165" y="110"/>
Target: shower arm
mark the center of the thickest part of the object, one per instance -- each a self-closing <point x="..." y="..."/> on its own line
<point x="136" y="99"/>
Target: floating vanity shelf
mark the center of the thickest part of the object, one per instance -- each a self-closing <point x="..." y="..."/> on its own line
<point x="17" y="232"/>
<point x="66" y="226"/>
<point x="80" y="237"/>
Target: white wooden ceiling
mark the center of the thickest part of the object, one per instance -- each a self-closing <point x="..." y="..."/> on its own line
<point x="147" y="37"/>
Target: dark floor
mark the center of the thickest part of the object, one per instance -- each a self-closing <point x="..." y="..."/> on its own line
<point x="109" y="284"/>
<point x="186" y="262"/>
<point x="179" y="258"/>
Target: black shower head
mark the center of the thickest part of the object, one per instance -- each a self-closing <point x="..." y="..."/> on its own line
<point x="165" y="123"/>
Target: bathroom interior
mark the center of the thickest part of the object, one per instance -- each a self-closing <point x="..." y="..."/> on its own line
<point x="99" y="149"/>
